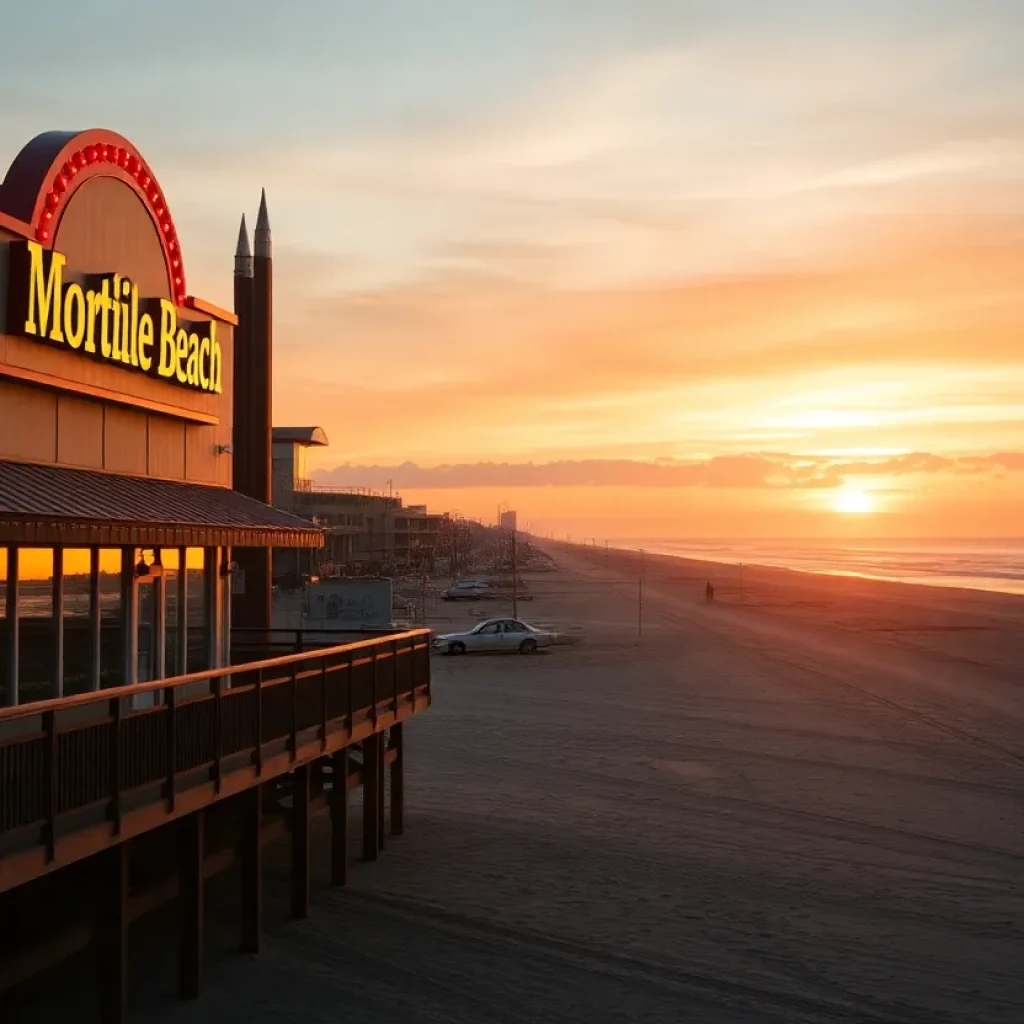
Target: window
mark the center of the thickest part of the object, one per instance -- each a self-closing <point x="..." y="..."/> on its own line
<point x="198" y="657"/>
<point x="36" y="625"/>
<point x="111" y="626"/>
<point x="174" y="656"/>
<point x="494" y="627"/>
<point x="77" y="621"/>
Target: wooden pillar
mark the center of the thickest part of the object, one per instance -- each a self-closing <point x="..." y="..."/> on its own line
<point x="381" y="789"/>
<point x="300" y="841"/>
<point x="252" y="869"/>
<point x="371" y="796"/>
<point x="112" y="934"/>
<point x="190" y="901"/>
<point x="397" y="781"/>
<point x="339" y="817"/>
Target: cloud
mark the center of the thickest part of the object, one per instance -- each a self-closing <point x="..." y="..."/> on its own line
<point x="760" y="471"/>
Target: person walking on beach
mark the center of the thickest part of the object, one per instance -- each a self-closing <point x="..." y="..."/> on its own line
<point x="709" y="592"/>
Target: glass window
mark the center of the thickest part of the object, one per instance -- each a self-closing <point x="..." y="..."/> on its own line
<point x="195" y="576"/>
<point x="35" y="625"/>
<point x="111" y="624"/>
<point x="173" y="661"/>
<point x="78" y="641"/>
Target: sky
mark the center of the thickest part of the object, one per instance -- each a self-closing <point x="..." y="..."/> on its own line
<point x="637" y="268"/>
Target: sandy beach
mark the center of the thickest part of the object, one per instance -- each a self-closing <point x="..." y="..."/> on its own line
<point x="802" y="805"/>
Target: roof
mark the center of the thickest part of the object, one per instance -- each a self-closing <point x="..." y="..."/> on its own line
<point x="56" y="505"/>
<point x="306" y="436"/>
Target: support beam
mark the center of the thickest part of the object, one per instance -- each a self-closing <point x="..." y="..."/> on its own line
<point x="397" y="781"/>
<point x="112" y="934"/>
<point x="300" y="841"/>
<point x="190" y="902"/>
<point x="381" y="790"/>
<point x="339" y="817"/>
<point x="251" y="855"/>
<point x="371" y="795"/>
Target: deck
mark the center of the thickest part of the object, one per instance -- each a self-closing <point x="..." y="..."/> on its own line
<point x="241" y="754"/>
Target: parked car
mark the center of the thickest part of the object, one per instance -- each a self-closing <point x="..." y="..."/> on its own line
<point x="498" y="635"/>
<point x="468" y="590"/>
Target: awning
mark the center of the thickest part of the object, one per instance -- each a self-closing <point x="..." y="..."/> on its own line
<point x="55" y="505"/>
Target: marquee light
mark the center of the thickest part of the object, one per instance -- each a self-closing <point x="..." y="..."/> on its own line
<point x="104" y="153"/>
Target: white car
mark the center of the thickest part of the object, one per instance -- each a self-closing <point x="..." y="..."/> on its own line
<point x="468" y="590"/>
<point x="504" y="635"/>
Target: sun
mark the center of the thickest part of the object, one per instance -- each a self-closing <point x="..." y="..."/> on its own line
<point x="854" y="502"/>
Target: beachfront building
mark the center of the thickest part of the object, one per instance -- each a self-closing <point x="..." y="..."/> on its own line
<point x="365" y="530"/>
<point x="143" y="697"/>
<point x="117" y="513"/>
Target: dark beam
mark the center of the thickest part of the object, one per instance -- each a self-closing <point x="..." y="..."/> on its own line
<point x="300" y="841"/>
<point x="381" y="789"/>
<point x="339" y="817"/>
<point x="371" y="795"/>
<point x="251" y="855"/>
<point x="112" y="934"/>
<point x="190" y="899"/>
<point x="397" y="781"/>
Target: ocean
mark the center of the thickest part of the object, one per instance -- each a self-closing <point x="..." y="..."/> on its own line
<point x="973" y="564"/>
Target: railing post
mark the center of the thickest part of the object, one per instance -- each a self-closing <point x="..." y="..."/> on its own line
<point x="52" y="783"/>
<point x="218" y="694"/>
<point x="294" y="737"/>
<point x="323" y="704"/>
<point x="115" y="763"/>
<point x="171" y="704"/>
<point x="376" y="670"/>
<point x="259" y="722"/>
<point x="394" y="677"/>
<point x="350" y="673"/>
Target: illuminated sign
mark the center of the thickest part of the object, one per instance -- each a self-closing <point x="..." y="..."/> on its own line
<point x="103" y="317"/>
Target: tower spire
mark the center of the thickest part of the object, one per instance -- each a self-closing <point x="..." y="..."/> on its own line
<point x="262" y="235"/>
<point x="243" y="254"/>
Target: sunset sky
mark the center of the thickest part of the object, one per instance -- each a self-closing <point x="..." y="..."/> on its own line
<point x="706" y="266"/>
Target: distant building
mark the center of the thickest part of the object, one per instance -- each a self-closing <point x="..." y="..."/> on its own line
<point x="365" y="529"/>
<point x="508" y="520"/>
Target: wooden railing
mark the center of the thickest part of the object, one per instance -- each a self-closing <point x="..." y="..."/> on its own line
<point x="63" y="763"/>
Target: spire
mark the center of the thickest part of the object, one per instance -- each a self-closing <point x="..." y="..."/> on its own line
<point x="243" y="254"/>
<point x="262" y="235"/>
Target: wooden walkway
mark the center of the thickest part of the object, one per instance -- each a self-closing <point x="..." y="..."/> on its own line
<point x="86" y="779"/>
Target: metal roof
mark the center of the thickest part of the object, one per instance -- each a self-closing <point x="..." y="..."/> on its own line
<point x="299" y="435"/>
<point x="57" y="505"/>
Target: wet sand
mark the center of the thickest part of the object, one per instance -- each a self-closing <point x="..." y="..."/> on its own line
<point x="805" y="805"/>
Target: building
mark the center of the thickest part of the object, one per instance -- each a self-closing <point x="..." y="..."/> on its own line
<point x="365" y="530"/>
<point x="154" y="731"/>
<point x="507" y="520"/>
<point x="117" y="515"/>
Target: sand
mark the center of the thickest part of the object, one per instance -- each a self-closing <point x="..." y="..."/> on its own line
<point x="801" y="806"/>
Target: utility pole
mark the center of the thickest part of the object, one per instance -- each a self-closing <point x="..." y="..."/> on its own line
<point x="640" y="607"/>
<point x="515" y="580"/>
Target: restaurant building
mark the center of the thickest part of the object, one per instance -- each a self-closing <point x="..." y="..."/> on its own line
<point x="118" y="520"/>
<point x="142" y="752"/>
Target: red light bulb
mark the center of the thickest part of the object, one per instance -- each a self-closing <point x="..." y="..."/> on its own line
<point x="80" y="159"/>
<point x="60" y="184"/>
<point x="42" y="234"/>
<point x="53" y="199"/>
